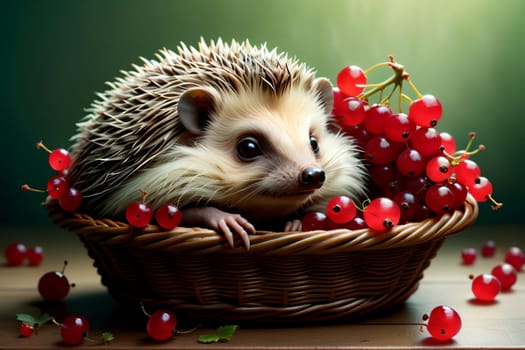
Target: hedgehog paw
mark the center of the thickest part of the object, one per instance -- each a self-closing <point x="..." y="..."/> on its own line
<point x="293" y="225"/>
<point x="226" y="223"/>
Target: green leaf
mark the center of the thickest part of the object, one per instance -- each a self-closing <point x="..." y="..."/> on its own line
<point x="208" y="338"/>
<point x="26" y="318"/>
<point x="32" y="320"/>
<point x="225" y="333"/>
<point x="108" y="337"/>
<point x="222" y="334"/>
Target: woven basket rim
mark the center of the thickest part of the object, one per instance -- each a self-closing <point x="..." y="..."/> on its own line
<point x="196" y="240"/>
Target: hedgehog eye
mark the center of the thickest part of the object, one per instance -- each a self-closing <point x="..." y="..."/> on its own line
<point x="248" y="148"/>
<point x="314" y="144"/>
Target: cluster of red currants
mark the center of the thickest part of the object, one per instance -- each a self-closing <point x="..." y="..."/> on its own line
<point x="69" y="198"/>
<point x="16" y="253"/>
<point x="503" y="276"/>
<point x="415" y="171"/>
<point x="139" y="214"/>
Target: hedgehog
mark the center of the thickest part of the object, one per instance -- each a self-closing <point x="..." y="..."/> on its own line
<point x="237" y="136"/>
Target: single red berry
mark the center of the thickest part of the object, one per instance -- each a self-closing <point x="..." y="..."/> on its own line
<point x="481" y="189"/>
<point x="161" y="325"/>
<point x="489" y="249"/>
<point x="467" y="171"/>
<point x="380" y="150"/>
<point x="353" y="112"/>
<point x="56" y="186"/>
<point x="351" y="80"/>
<point x="427" y="141"/>
<point x="448" y="143"/>
<point x="506" y="274"/>
<point x="460" y="193"/>
<point x="425" y="111"/>
<point x="15" y="254"/>
<point x="438" y="169"/>
<point x="398" y="128"/>
<point x="440" y="199"/>
<point x="469" y="255"/>
<point x="356" y="223"/>
<point x="407" y="202"/>
<point x="337" y="110"/>
<point x="486" y="287"/>
<point x="74" y="329"/>
<point x="26" y="330"/>
<point x="443" y="323"/>
<point x="381" y="214"/>
<point x="168" y="216"/>
<point x="71" y="199"/>
<point x="375" y="117"/>
<point x="139" y="214"/>
<point x="410" y="162"/>
<point x="35" y="255"/>
<point x="59" y="159"/>
<point x="515" y="257"/>
<point x="313" y="221"/>
<point x="54" y="285"/>
<point x="341" y="209"/>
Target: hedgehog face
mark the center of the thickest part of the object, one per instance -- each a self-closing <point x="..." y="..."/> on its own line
<point x="272" y="155"/>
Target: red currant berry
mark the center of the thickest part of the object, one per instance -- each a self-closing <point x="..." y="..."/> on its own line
<point x="425" y="111"/>
<point x="340" y="209"/>
<point x="440" y="199"/>
<point x="443" y="323"/>
<point x="139" y="214"/>
<point x="481" y="190"/>
<point x="427" y="141"/>
<point x="399" y="128"/>
<point x="353" y="112"/>
<point x="460" y="193"/>
<point x="438" y="169"/>
<point x="356" y="223"/>
<point x="350" y="80"/>
<point x="448" y="143"/>
<point x="358" y="133"/>
<point x="515" y="257"/>
<point x="410" y="162"/>
<point x="489" y="249"/>
<point x="486" y="287"/>
<point x="407" y="203"/>
<point x="59" y="159"/>
<point x="375" y="117"/>
<point x="71" y="199"/>
<point x="35" y="255"/>
<point x="74" y="329"/>
<point x="379" y="150"/>
<point x="161" y="325"/>
<point x="313" y="221"/>
<point x="168" y="216"/>
<point x="56" y="186"/>
<point x="337" y="110"/>
<point x="469" y="255"/>
<point x="54" y="285"/>
<point x="15" y="254"/>
<point x="26" y="330"/>
<point x="381" y="214"/>
<point x="506" y="274"/>
<point x="467" y="172"/>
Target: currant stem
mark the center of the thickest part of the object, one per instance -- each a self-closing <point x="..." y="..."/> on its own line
<point x="377" y="65"/>
<point x="40" y="145"/>
<point x="144" y="309"/>
<point x="495" y="204"/>
<point x="27" y="188"/>
<point x="413" y="86"/>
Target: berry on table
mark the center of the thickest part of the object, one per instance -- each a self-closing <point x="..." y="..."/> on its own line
<point x="443" y="323"/>
<point x="468" y="256"/>
<point x="506" y="274"/>
<point x="515" y="257"/>
<point x="489" y="249"/>
<point x="26" y="330"/>
<point x="15" y="254"/>
<point x="161" y="325"/>
<point x="35" y="255"/>
<point x="485" y="287"/>
<point x="74" y="329"/>
<point x="54" y="285"/>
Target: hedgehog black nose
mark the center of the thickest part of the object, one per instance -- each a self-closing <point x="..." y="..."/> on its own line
<point x="312" y="177"/>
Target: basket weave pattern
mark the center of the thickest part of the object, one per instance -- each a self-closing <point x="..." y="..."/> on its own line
<point x="285" y="276"/>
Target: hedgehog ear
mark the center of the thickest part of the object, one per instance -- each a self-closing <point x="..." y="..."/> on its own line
<point x="195" y="108"/>
<point x="324" y="90"/>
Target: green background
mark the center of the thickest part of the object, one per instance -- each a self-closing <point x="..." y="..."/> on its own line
<point x="57" y="54"/>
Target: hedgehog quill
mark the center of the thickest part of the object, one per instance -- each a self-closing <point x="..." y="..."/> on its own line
<point x="238" y="136"/>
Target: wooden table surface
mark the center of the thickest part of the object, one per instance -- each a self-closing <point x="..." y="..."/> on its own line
<point x="500" y="324"/>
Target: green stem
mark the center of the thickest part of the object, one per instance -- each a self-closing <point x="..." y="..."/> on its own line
<point x="416" y="91"/>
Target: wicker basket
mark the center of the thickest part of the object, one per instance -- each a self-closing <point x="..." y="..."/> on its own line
<point x="285" y="276"/>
